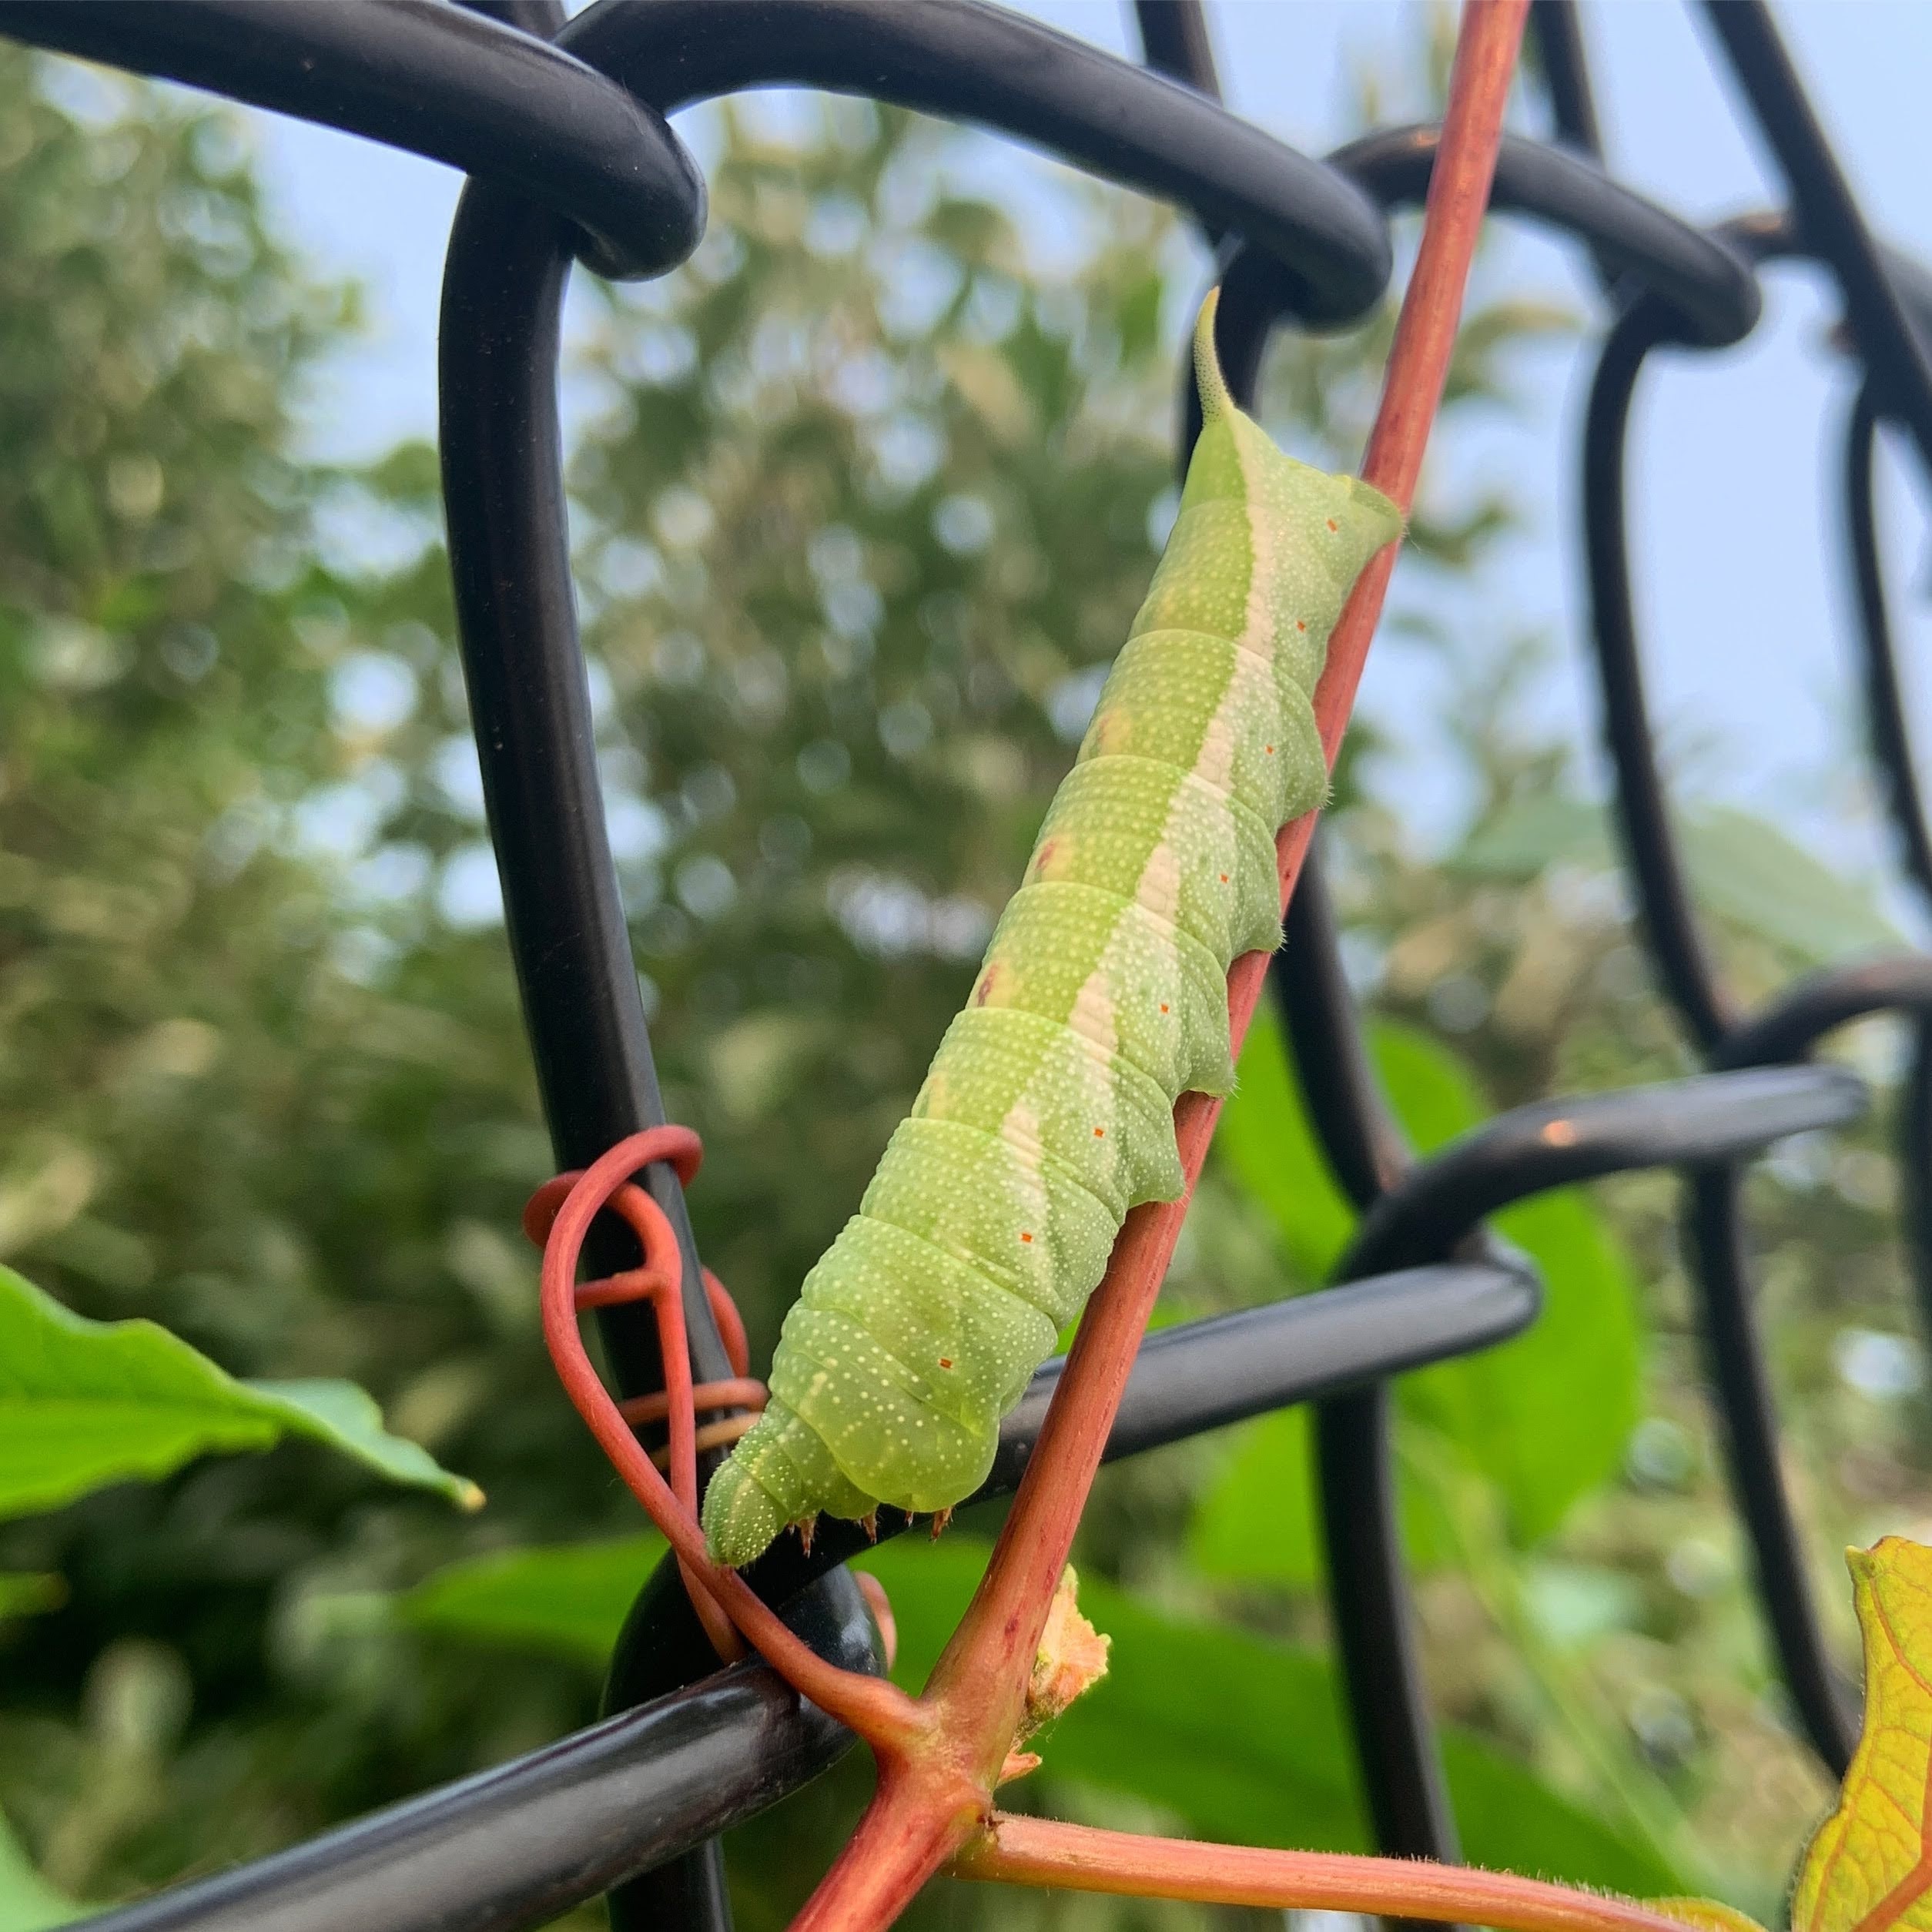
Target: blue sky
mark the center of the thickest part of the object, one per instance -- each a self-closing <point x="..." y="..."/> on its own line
<point x="1746" y="614"/>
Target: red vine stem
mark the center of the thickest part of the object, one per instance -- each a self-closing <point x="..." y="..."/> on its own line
<point x="877" y="1710"/>
<point x="1037" y="1851"/>
<point x="978" y="1688"/>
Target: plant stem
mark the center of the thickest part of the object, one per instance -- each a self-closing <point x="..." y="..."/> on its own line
<point x="1038" y="1851"/>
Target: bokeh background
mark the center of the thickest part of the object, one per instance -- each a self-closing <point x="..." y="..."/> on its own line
<point x="863" y="499"/>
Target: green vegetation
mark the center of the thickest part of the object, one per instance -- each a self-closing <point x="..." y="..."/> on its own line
<point x="863" y="498"/>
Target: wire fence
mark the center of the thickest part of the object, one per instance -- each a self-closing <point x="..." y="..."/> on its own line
<point x="560" y="126"/>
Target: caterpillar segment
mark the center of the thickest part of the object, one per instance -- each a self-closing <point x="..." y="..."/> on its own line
<point x="1048" y="1112"/>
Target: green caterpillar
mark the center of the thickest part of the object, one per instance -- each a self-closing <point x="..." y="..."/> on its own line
<point x="1048" y="1110"/>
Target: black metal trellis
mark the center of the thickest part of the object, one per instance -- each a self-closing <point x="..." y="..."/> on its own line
<point x="561" y="126"/>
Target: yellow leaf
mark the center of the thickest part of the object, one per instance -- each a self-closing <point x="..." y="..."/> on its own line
<point x="1706" y="1915"/>
<point x="1870" y="1864"/>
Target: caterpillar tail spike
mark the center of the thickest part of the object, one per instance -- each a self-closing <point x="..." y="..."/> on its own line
<point x="1048" y="1112"/>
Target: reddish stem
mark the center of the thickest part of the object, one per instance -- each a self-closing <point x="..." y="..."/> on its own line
<point x="879" y="1712"/>
<point x="1036" y="1851"/>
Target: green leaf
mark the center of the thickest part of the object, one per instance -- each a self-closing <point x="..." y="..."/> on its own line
<point x="1748" y="871"/>
<point x="1242" y="1738"/>
<point x="23" y="1594"/>
<point x="1257" y="1522"/>
<point x="83" y="1403"/>
<point x="1742" y="868"/>
<point x="1529" y="836"/>
<point x="1265" y="1138"/>
<point x="1546" y="1416"/>
<point x="1239" y="1737"/>
<point x="567" y="1599"/>
<point x="27" y="1903"/>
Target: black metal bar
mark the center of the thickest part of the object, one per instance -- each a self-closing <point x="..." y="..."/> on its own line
<point x="1363" y="1146"/>
<point x="436" y="79"/>
<point x="1889" y="734"/>
<point x="1710" y="1116"/>
<point x="975" y="62"/>
<point x="530" y="710"/>
<point x="1734" y="1359"/>
<point x="1368" y="1598"/>
<point x="1739" y="1375"/>
<point x="543" y="17"/>
<point x="1174" y="41"/>
<point x="513" y="1847"/>
<point x="1642" y="817"/>
<point x="1429" y="1212"/>
<point x="1891" y="345"/>
<point x="1566" y="73"/>
<point x="1704" y="276"/>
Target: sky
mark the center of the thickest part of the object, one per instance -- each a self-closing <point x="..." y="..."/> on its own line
<point x="1745" y="615"/>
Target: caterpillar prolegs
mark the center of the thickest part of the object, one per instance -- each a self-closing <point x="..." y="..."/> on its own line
<point x="1048" y="1110"/>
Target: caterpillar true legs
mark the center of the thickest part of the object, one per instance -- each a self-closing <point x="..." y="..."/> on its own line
<point x="1048" y="1112"/>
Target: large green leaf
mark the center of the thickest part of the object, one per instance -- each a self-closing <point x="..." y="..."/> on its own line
<point x="1239" y="1738"/>
<point x="84" y="1403"/>
<point x="1742" y="868"/>
<point x="22" y="1593"/>
<point x="27" y="1903"/>
<point x="1546" y="1416"/>
<point x="567" y="1598"/>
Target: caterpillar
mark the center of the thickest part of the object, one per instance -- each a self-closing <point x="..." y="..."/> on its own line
<point x="1048" y="1111"/>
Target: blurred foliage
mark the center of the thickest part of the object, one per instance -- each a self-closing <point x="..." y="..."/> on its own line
<point x="864" y="497"/>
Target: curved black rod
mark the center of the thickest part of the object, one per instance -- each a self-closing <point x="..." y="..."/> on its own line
<point x="1735" y="1358"/>
<point x="976" y="62"/>
<point x="1556" y="1143"/>
<point x="436" y="79"/>
<point x="1884" y="694"/>
<point x="530" y="715"/>
<point x="512" y="1848"/>
<point x="1174" y="41"/>
<point x="1429" y="1212"/>
<point x="1566" y="74"/>
<point x="1889" y="342"/>
<point x="543" y="17"/>
<point x="1642" y="816"/>
<point x="530" y="711"/>
<point x="1703" y="281"/>
<point x="1683" y="1123"/>
<point x="1364" y="1148"/>
<point x="1704" y="275"/>
<point x="1640" y="811"/>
